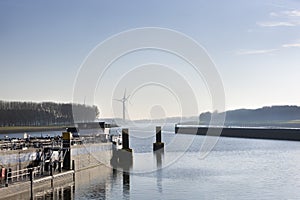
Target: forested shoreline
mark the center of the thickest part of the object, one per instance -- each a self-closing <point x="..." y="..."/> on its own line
<point x="44" y="114"/>
<point x="285" y="116"/>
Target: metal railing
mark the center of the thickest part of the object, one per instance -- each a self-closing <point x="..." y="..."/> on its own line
<point x="21" y="144"/>
<point x="20" y="175"/>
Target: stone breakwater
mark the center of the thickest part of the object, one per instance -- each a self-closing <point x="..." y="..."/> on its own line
<point x="255" y="133"/>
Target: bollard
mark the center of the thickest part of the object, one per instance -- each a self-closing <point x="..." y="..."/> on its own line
<point x="51" y="174"/>
<point x="102" y="125"/>
<point x="59" y="167"/>
<point x="51" y="169"/>
<point x="125" y="139"/>
<point x="158" y="134"/>
<point x="9" y="174"/>
<point x="73" y="168"/>
<point x="176" y="129"/>
<point x="67" y="150"/>
<point x="124" y="157"/>
<point x="6" y="178"/>
<point x="158" y="144"/>
<point x="31" y="183"/>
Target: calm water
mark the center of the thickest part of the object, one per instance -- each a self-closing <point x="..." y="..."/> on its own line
<point x="235" y="169"/>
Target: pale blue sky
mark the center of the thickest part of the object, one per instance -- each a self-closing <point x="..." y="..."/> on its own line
<point x="254" y="44"/>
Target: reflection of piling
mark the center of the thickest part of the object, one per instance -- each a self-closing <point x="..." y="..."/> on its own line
<point x="126" y="184"/>
<point x="122" y="159"/>
<point x="158" y="144"/>
<point x="159" y="154"/>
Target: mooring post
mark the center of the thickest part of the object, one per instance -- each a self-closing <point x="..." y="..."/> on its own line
<point x="73" y="168"/>
<point x="102" y="125"/>
<point x="158" y="134"/>
<point x="124" y="155"/>
<point x="67" y="136"/>
<point x="158" y="144"/>
<point x="59" y="166"/>
<point x="51" y="174"/>
<point x="31" y="184"/>
<point x="9" y="174"/>
<point x="51" y="169"/>
<point x="125" y="139"/>
<point x="6" y="178"/>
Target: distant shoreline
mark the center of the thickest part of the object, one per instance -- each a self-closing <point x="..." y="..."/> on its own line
<point x="20" y="129"/>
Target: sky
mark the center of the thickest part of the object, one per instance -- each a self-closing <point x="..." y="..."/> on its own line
<point x="255" y="46"/>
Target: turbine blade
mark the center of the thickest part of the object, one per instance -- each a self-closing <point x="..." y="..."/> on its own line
<point x="127" y="98"/>
<point x="118" y="100"/>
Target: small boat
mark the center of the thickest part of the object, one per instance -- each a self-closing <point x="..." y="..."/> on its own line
<point x="115" y="136"/>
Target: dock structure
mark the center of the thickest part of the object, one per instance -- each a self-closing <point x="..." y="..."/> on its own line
<point x="125" y="140"/>
<point x="241" y="132"/>
<point x="50" y="163"/>
<point x="123" y="158"/>
<point x="158" y="144"/>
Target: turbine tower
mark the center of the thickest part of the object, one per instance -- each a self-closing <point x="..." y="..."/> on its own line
<point x="123" y="101"/>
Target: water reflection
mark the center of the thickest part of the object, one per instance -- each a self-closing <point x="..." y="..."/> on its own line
<point x="122" y="160"/>
<point x="159" y="154"/>
<point x="93" y="183"/>
<point x="126" y="185"/>
<point x="62" y="192"/>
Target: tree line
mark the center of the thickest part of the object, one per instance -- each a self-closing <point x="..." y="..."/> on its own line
<point x="45" y="113"/>
<point x="273" y="115"/>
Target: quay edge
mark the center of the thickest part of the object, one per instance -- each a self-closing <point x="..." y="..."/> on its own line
<point x="291" y="134"/>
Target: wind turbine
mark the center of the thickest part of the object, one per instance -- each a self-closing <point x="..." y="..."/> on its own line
<point x="123" y="101"/>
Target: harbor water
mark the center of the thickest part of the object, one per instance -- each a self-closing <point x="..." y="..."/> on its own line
<point x="235" y="169"/>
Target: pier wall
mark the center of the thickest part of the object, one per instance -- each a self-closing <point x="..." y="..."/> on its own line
<point x="85" y="156"/>
<point x="256" y="133"/>
<point x="90" y="155"/>
<point x="17" y="159"/>
<point x="21" y="190"/>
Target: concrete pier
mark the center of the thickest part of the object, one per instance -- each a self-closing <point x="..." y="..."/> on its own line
<point x="249" y="132"/>
<point x="122" y="158"/>
<point x="125" y="140"/>
<point x="158" y="144"/>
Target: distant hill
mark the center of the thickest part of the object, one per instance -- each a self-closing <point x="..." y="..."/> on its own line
<point x="284" y="116"/>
